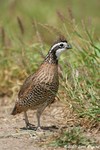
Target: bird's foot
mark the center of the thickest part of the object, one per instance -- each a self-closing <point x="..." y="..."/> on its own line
<point x="39" y="129"/>
<point x="30" y="126"/>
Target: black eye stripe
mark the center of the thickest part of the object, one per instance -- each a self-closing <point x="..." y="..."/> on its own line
<point x="61" y="45"/>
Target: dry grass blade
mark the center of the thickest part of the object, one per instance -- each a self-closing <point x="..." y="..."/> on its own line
<point x="71" y="16"/>
<point x="34" y="23"/>
<point x="20" y="25"/>
<point x="51" y="29"/>
<point x="61" y="16"/>
<point x="2" y="36"/>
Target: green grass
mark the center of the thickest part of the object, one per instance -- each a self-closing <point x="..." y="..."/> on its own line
<point x="26" y="33"/>
<point x="73" y="137"/>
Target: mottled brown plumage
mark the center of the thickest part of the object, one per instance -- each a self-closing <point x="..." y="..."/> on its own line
<point x="39" y="89"/>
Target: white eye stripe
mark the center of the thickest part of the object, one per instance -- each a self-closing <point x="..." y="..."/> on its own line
<point x="58" y="44"/>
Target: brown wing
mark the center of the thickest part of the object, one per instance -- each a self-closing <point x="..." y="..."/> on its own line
<point x="28" y="85"/>
<point x="25" y="88"/>
<point x="38" y="88"/>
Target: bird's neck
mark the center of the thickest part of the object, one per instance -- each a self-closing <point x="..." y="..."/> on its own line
<point x="51" y="59"/>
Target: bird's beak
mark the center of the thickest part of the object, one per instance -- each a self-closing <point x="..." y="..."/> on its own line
<point x="69" y="46"/>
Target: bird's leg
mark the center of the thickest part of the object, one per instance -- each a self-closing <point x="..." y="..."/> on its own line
<point x="28" y="125"/>
<point x="38" y="119"/>
<point x="38" y="114"/>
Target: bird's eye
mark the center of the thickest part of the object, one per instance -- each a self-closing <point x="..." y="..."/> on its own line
<point x="61" y="45"/>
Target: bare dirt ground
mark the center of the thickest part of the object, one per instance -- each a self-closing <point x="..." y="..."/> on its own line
<point x="13" y="135"/>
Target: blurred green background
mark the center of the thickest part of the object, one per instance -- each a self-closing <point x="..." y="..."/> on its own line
<point x="47" y="11"/>
<point x="28" y="28"/>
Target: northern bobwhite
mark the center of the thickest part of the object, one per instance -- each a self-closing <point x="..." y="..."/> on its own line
<point x="39" y="89"/>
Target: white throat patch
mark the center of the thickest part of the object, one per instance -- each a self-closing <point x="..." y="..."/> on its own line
<point x="60" y="50"/>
